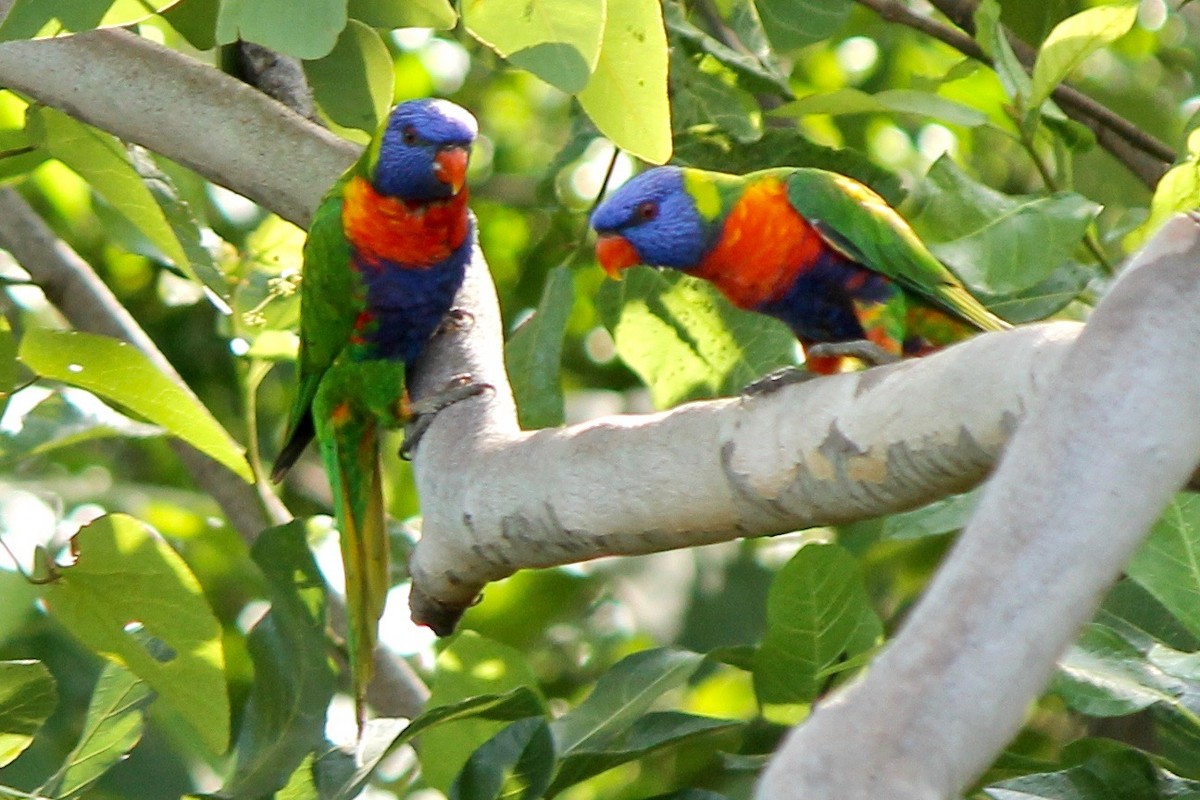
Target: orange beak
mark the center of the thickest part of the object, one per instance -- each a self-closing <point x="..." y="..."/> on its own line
<point x="450" y="167"/>
<point x="615" y="253"/>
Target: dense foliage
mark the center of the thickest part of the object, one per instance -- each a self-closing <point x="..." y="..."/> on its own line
<point x="149" y="651"/>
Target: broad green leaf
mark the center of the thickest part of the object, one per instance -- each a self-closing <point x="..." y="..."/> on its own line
<point x="1073" y="40"/>
<point x="118" y="372"/>
<point x="684" y="340"/>
<point x="1104" y="770"/>
<point x="1043" y="298"/>
<point x="469" y="667"/>
<point x="818" y="613"/>
<point x="1142" y="620"/>
<point x="652" y="733"/>
<point x="755" y="71"/>
<point x="342" y="772"/>
<point x="1023" y="247"/>
<point x="621" y="696"/>
<point x="1177" y="191"/>
<point x="102" y="161"/>
<point x="66" y="418"/>
<point x="284" y="719"/>
<point x="30" y="19"/>
<point x="27" y="697"/>
<point x="389" y="14"/>
<point x="515" y="763"/>
<point x="353" y="84"/>
<point x="302" y="785"/>
<point x="627" y="94"/>
<point x="1168" y="563"/>
<point x="701" y="99"/>
<point x="112" y="727"/>
<point x="994" y="41"/>
<point x="533" y="354"/>
<point x="129" y="597"/>
<point x="8" y="363"/>
<point x="900" y="101"/>
<point x="196" y="21"/>
<point x="1103" y="675"/>
<point x="791" y="24"/>
<point x="557" y="40"/>
<point x="521" y="701"/>
<point x="277" y="25"/>
<point x="939" y="517"/>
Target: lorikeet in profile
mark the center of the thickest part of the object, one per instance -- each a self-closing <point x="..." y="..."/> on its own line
<point x="385" y="255"/>
<point x="815" y="249"/>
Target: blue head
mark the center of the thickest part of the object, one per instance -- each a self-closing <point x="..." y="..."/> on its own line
<point x="653" y="220"/>
<point x="423" y="151"/>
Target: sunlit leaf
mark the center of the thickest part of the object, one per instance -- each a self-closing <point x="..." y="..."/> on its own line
<point x="120" y="373"/>
<point x="791" y="24"/>
<point x="65" y="418"/>
<point x="684" y="340"/>
<point x="1177" y="191"/>
<point x="533" y="354"/>
<point x="994" y="42"/>
<point x="621" y="696"/>
<point x="627" y="94"/>
<point x="353" y="84"/>
<point x="521" y="701"/>
<point x="132" y="599"/>
<point x="470" y="667"/>
<point x="1073" y="40"/>
<point x="111" y="729"/>
<point x="1168" y="563"/>
<point x="389" y="14"/>
<point x="899" y="101"/>
<point x="557" y="40"/>
<point x="755" y="71"/>
<point x="28" y="19"/>
<point x="1103" y="675"/>
<point x="27" y="697"/>
<point x="301" y="785"/>
<point x="818" y="613"/>
<point x="284" y="719"/>
<point x="342" y="772"/>
<point x="196" y="20"/>
<point x="1102" y="770"/>
<point x="515" y="763"/>
<point x="275" y="24"/>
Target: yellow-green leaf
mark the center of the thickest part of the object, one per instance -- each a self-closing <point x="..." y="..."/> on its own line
<point x="389" y="14"/>
<point x="627" y="95"/>
<point x="1073" y="40"/>
<point x="307" y="32"/>
<point x="133" y="600"/>
<point x="118" y="372"/>
<point x="27" y="697"/>
<point x="557" y="40"/>
<point x="33" y="19"/>
<point x="353" y="83"/>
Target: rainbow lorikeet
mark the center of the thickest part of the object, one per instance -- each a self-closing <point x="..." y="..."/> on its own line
<point x="815" y="249"/>
<point x="385" y="255"/>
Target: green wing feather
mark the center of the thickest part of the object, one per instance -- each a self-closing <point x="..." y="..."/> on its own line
<point x="858" y="222"/>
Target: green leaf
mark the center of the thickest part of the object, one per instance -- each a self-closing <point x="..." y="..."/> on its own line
<point x="111" y="729"/>
<point x="104" y="163"/>
<point x="353" y="84"/>
<point x="284" y="719"/>
<point x="1168" y="563"/>
<point x="66" y="418"/>
<point x="516" y="762"/>
<point x="342" y="772"/>
<point x="621" y="696"/>
<point x="1073" y="40"/>
<point x="33" y="19"/>
<point x="521" y="701"/>
<point x="684" y="340"/>
<point x="1109" y="771"/>
<point x="755" y="72"/>
<point x="557" y="40"/>
<point x="27" y="697"/>
<point x="469" y="667"/>
<point x="533" y="354"/>
<point x="653" y="733"/>
<point x="1142" y="620"/>
<point x="1177" y="191"/>
<point x="302" y="785"/>
<point x="791" y="24"/>
<point x="119" y="372"/>
<point x="275" y="24"/>
<point x="8" y="363"/>
<point x="196" y="21"/>
<point x="130" y="598"/>
<point x="627" y="94"/>
<point x="389" y="14"/>
<point x="702" y="99"/>
<point x="1103" y="675"/>
<point x="818" y="613"/>
<point x="994" y="41"/>
<point x="899" y="101"/>
<point x="940" y="517"/>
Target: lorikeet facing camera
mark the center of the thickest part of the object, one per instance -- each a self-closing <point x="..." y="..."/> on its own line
<point x="815" y="249"/>
<point x="385" y="255"/>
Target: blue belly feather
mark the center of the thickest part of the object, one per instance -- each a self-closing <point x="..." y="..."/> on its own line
<point x="819" y="306"/>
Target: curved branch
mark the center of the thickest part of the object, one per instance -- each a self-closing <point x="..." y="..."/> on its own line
<point x="1109" y="442"/>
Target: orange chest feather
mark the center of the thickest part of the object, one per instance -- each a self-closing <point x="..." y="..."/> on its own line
<point x="382" y="228"/>
<point x="764" y="245"/>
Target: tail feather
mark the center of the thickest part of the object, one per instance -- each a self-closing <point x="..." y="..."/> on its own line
<point x="358" y="489"/>
<point x="297" y="440"/>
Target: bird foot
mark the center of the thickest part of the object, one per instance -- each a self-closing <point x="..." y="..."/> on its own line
<point x="456" y="320"/>
<point x="774" y="381"/>
<point x="422" y="413"/>
<point x="864" y="350"/>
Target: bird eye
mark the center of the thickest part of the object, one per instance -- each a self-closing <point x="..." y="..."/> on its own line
<point x="646" y="211"/>
<point x="410" y="135"/>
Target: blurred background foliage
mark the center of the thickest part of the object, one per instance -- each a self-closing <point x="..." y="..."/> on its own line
<point x="1023" y="200"/>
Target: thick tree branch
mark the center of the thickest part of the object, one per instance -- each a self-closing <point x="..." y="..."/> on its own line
<point x="1140" y="152"/>
<point x="1101" y="452"/>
